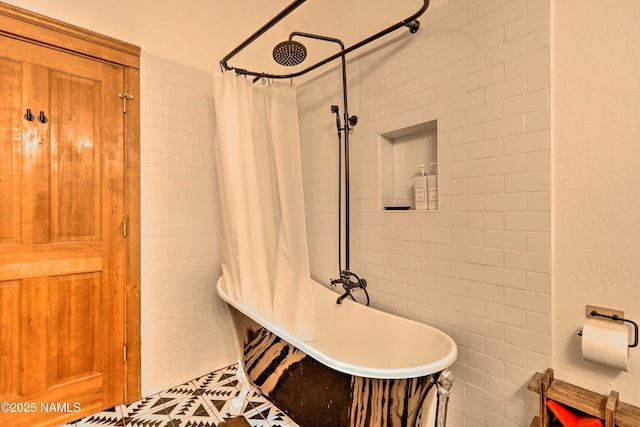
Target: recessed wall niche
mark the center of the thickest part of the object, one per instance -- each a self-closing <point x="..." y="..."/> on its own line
<point x="401" y="152"/>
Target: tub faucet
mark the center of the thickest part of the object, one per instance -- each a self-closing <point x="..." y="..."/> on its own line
<point x="343" y="296"/>
<point x="348" y="284"/>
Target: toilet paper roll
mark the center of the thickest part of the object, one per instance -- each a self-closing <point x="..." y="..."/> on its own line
<point x="606" y="343"/>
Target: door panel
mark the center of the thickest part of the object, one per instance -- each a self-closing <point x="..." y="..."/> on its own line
<point x="62" y="254"/>
<point x="10" y="150"/>
<point x="75" y="152"/>
<point x="34" y="324"/>
<point x="9" y="338"/>
<point x="74" y="313"/>
<point x="35" y="174"/>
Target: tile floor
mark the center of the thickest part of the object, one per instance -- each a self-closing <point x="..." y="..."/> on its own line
<point x="203" y="402"/>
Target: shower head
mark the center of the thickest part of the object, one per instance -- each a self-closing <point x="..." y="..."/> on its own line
<point x="289" y="53"/>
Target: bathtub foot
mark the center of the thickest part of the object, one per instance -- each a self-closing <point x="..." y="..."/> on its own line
<point x="444" y="384"/>
<point x="235" y="408"/>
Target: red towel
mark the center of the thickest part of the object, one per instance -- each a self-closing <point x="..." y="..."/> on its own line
<point x="587" y="421"/>
<point x="568" y="418"/>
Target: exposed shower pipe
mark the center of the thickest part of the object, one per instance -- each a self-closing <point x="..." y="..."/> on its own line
<point x="336" y="110"/>
<point x="291" y="53"/>
<point x="349" y="121"/>
<point x="410" y="22"/>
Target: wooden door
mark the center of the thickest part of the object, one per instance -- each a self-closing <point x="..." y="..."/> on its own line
<point x="62" y="259"/>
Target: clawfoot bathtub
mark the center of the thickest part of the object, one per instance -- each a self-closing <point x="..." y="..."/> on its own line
<point x="365" y="367"/>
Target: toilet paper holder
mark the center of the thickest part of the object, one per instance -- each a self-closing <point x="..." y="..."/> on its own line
<point x="616" y="316"/>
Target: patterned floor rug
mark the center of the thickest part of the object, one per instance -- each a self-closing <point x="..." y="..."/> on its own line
<point x="203" y="402"/>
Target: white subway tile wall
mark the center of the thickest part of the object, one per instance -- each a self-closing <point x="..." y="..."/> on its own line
<point x="186" y="330"/>
<point x="479" y="268"/>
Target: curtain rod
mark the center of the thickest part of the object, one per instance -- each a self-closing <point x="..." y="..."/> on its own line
<point x="410" y="22"/>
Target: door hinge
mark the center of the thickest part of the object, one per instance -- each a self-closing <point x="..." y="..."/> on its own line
<point x="124" y="97"/>
<point x="124" y="348"/>
<point x="124" y="228"/>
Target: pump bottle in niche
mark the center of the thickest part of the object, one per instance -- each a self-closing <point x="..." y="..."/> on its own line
<point x="432" y="187"/>
<point x="420" y="189"/>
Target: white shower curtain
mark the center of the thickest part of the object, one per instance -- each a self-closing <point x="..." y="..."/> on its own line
<point x="264" y="250"/>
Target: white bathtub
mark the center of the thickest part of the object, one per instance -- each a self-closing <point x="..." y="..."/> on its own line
<point x="363" y="346"/>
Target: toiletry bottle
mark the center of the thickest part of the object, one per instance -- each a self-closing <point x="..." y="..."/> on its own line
<point x="432" y="187"/>
<point x="420" y="189"/>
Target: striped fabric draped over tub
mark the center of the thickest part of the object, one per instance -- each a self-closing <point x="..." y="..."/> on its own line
<point x="289" y="377"/>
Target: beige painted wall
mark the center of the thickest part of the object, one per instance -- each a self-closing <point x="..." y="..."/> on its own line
<point x="596" y="179"/>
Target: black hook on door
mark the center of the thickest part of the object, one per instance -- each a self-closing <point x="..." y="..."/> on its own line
<point x="29" y="116"/>
<point x="42" y="118"/>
